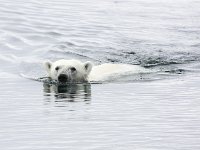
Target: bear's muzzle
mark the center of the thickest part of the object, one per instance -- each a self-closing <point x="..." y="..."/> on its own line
<point x="62" y="78"/>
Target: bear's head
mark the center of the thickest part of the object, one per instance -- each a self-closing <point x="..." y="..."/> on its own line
<point x="68" y="71"/>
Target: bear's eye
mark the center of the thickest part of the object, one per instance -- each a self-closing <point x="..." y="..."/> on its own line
<point x="57" y="68"/>
<point x="73" y="69"/>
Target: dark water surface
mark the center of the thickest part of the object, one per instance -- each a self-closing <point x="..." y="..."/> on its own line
<point x="155" y="111"/>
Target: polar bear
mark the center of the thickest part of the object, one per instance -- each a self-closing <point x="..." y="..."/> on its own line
<point x="75" y="71"/>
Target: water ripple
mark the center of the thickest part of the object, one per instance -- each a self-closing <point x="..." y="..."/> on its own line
<point x="133" y="113"/>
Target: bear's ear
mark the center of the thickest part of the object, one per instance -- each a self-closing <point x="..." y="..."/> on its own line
<point x="47" y="65"/>
<point x="88" y="66"/>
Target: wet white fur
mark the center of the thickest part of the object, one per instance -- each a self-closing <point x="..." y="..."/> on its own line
<point x="91" y="73"/>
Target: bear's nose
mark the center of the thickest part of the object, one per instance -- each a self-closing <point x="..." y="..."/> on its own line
<point x="62" y="78"/>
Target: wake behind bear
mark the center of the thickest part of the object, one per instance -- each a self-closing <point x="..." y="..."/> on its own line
<point x="75" y="71"/>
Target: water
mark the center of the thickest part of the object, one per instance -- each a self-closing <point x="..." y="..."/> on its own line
<point x="155" y="111"/>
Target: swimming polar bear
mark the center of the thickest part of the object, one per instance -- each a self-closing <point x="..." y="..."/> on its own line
<point x="75" y="71"/>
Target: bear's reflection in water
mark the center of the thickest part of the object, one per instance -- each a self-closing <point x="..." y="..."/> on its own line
<point x="69" y="93"/>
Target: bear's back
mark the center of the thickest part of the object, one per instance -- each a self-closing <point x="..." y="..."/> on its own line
<point x="108" y="71"/>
